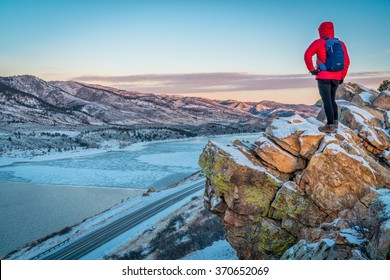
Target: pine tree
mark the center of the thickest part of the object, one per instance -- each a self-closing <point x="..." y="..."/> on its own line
<point x="385" y="85"/>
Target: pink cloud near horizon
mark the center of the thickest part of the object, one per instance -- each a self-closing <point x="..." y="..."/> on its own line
<point x="220" y="81"/>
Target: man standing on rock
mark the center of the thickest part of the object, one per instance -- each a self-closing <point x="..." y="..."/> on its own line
<point x="331" y="68"/>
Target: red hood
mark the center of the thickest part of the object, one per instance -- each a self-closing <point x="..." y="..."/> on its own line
<point x="326" y="29"/>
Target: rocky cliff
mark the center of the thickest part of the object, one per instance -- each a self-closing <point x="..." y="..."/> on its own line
<point x="297" y="193"/>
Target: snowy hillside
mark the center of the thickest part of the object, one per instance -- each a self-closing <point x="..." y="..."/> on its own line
<point x="32" y="100"/>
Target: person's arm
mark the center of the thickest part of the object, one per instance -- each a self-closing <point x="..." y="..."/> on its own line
<point x="311" y="50"/>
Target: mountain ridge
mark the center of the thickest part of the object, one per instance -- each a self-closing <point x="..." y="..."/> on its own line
<point x="90" y="104"/>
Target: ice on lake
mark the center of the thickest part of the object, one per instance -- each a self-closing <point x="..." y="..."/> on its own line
<point x="140" y="167"/>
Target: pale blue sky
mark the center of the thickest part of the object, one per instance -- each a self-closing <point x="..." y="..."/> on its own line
<point x="67" y="39"/>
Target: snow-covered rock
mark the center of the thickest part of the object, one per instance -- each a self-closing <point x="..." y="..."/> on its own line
<point x="367" y="125"/>
<point x="348" y="91"/>
<point x="363" y="98"/>
<point x="382" y="101"/>
<point x="286" y="132"/>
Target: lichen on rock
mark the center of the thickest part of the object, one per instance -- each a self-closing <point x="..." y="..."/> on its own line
<point x="246" y="187"/>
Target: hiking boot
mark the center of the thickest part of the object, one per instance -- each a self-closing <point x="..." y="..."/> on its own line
<point x="328" y="128"/>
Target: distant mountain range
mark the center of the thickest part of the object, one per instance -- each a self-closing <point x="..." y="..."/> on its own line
<point x="28" y="99"/>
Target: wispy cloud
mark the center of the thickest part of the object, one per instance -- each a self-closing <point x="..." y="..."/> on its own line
<point x="382" y="53"/>
<point x="217" y="82"/>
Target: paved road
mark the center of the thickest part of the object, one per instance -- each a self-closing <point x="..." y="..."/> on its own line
<point x="82" y="246"/>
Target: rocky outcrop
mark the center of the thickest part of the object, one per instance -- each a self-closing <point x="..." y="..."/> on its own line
<point x="366" y="111"/>
<point x="297" y="193"/>
<point x="356" y="93"/>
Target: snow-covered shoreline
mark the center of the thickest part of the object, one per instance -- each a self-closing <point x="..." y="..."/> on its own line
<point x="112" y="146"/>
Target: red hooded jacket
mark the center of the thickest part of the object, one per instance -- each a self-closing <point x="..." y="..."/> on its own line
<point x="318" y="47"/>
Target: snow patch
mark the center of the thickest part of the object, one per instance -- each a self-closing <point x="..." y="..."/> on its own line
<point x="214" y="202"/>
<point x="288" y="186"/>
<point x="328" y="241"/>
<point x="388" y="115"/>
<point x="359" y="114"/>
<point x="366" y="97"/>
<point x="352" y="236"/>
<point x="285" y="127"/>
<point x="219" y="250"/>
<point x="369" y="134"/>
<point x="314" y="121"/>
<point x="328" y="139"/>
<point x="374" y="190"/>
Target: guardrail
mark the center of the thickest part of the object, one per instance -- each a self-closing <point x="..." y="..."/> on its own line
<point x="37" y="257"/>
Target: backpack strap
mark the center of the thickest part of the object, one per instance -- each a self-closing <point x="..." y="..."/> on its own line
<point x="322" y="65"/>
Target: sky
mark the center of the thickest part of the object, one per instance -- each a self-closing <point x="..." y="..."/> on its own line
<point x="247" y="50"/>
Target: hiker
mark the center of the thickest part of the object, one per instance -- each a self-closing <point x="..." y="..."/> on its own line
<point x="330" y="71"/>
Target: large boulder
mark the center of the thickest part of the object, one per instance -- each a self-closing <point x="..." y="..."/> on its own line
<point x="330" y="179"/>
<point x="294" y="132"/>
<point x="274" y="155"/>
<point x="291" y="203"/>
<point x="242" y="189"/>
<point x="382" y="101"/>
<point x="246" y="186"/>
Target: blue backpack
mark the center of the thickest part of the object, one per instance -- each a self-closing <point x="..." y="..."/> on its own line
<point x="334" y="56"/>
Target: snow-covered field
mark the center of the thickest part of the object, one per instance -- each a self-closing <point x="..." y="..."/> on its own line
<point x="29" y="211"/>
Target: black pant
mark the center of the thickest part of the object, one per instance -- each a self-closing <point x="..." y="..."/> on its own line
<point x="327" y="90"/>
